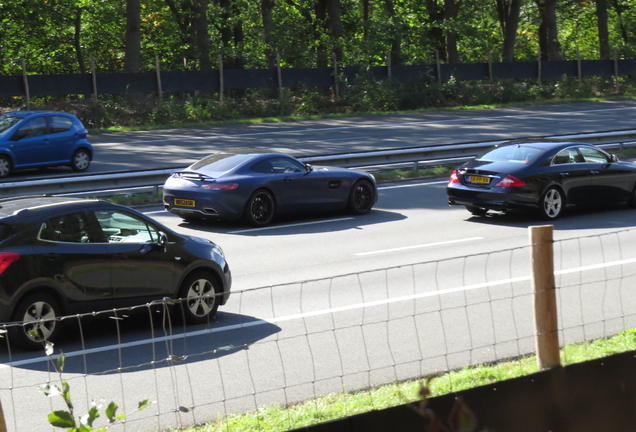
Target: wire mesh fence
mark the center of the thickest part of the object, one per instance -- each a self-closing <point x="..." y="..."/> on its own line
<point x="286" y="344"/>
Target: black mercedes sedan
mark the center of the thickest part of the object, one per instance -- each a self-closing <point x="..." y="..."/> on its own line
<point x="257" y="187"/>
<point x="65" y="256"/>
<point x="544" y="176"/>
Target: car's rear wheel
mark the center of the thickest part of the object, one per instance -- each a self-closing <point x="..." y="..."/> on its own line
<point x="476" y="211"/>
<point x="5" y="166"/>
<point x="199" y="292"/>
<point x="632" y="201"/>
<point x="551" y="204"/>
<point x="81" y="160"/>
<point x="40" y="313"/>
<point x="261" y="208"/>
<point x="361" y="197"/>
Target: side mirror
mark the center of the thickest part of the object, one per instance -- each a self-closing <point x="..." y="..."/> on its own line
<point x="309" y="168"/>
<point x="614" y="158"/>
<point x="162" y="242"/>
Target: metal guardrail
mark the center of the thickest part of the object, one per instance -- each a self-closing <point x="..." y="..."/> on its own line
<point x="101" y="184"/>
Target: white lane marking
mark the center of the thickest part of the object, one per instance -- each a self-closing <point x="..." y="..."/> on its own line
<point x="413" y="185"/>
<point x="315" y="313"/>
<point x="419" y="246"/>
<point x="373" y="125"/>
<point x="288" y="225"/>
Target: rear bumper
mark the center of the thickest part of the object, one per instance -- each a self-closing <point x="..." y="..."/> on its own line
<point x="498" y="199"/>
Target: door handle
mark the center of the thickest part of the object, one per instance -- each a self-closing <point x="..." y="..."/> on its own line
<point x="288" y="179"/>
<point x="120" y="257"/>
<point x="52" y="257"/>
<point x="564" y="174"/>
<point x="594" y="172"/>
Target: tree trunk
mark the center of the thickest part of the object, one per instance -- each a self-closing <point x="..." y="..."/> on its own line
<point x="603" y="32"/>
<point x="451" y="9"/>
<point x="335" y="27"/>
<point x="268" y="29"/>
<point x="508" y="12"/>
<point x="320" y="8"/>
<point x="396" y="39"/>
<point x="133" y="36"/>
<point x="549" y="34"/>
<point x="203" y="39"/>
<point x="77" y="42"/>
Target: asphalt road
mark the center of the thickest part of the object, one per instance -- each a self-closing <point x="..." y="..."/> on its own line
<point x="133" y="151"/>
<point x="335" y="301"/>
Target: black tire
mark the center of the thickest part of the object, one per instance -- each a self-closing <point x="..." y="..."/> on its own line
<point x="632" y="201"/>
<point x="476" y="211"/>
<point x="551" y="204"/>
<point x="199" y="293"/>
<point x="40" y="312"/>
<point x="5" y="166"/>
<point x="361" y="197"/>
<point x="81" y="160"/>
<point x="261" y="208"/>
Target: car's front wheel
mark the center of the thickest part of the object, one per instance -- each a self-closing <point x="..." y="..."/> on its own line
<point x="261" y="208"/>
<point x="5" y="166"/>
<point x="551" y="204"/>
<point x="361" y="197"/>
<point x="81" y="160"/>
<point x="39" y="314"/>
<point x="199" y="293"/>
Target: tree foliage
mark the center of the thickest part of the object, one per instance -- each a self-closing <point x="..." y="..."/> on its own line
<point x="67" y="36"/>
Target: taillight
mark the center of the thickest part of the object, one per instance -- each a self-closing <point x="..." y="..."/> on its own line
<point x="510" y="181"/>
<point x="453" y="177"/>
<point x="220" y="186"/>
<point x="6" y="258"/>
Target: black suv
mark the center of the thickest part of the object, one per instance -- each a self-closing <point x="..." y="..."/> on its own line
<point x="63" y="256"/>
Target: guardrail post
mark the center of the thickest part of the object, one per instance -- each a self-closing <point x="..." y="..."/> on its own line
<point x="159" y="86"/>
<point x="221" y="77"/>
<point x="94" y="77"/>
<point x="544" y="297"/>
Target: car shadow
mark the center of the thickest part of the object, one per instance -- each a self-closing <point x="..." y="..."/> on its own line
<point x="297" y="224"/>
<point x="614" y="215"/>
<point x="103" y="345"/>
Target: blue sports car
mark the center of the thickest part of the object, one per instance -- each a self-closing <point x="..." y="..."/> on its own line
<point x="40" y="139"/>
<point x="256" y="187"/>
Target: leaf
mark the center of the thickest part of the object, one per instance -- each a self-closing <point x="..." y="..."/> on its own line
<point x="66" y="393"/>
<point x="60" y="361"/>
<point x="62" y="419"/>
<point x="143" y="404"/>
<point x="111" y="411"/>
<point x="89" y="418"/>
<point x="461" y="418"/>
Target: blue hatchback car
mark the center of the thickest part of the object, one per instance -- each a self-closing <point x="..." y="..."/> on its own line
<point x="40" y="139"/>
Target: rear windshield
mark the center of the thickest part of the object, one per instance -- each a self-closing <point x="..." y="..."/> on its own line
<point x="513" y="153"/>
<point x="6" y="121"/>
<point x="219" y="163"/>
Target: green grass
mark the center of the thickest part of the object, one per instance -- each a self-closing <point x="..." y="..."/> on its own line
<point x="334" y="406"/>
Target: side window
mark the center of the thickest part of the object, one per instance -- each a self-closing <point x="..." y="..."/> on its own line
<point x="68" y="228"/>
<point x="31" y="129"/>
<point x="59" y="124"/>
<point x="284" y="165"/>
<point x="121" y="227"/>
<point x="592" y="155"/>
<point x="264" y="167"/>
<point x="567" y="156"/>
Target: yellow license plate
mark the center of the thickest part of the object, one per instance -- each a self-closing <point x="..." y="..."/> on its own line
<point x="477" y="179"/>
<point x="184" y="202"/>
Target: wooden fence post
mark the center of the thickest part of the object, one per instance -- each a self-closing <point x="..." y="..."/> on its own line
<point x="335" y="75"/>
<point x="221" y="77"/>
<point x="439" y="67"/>
<point x="539" y="67"/>
<point x="280" y="77"/>
<point x="94" y="76"/>
<point x="25" y="80"/>
<point x="3" y="424"/>
<point x="159" y="87"/>
<point x="544" y="297"/>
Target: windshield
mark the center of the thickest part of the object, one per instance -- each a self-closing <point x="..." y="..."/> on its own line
<point x="219" y="163"/>
<point x="6" y="121"/>
<point x="512" y="153"/>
